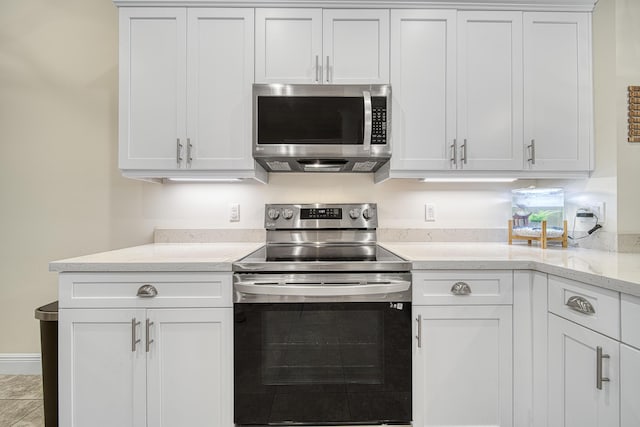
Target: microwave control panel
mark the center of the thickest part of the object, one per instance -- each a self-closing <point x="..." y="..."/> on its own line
<point x="379" y="126"/>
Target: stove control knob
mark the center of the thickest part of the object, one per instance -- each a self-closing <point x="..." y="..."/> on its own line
<point x="273" y="214"/>
<point x="287" y="213"/>
<point x="368" y="214"/>
<point x="354" y="213"/>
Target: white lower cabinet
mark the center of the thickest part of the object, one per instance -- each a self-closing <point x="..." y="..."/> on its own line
<point x="583" y="376"/>
<point x="463" y="366"/>
<point x="630" y="361"/>
<point x="463" y="351"/>
<point x="102" y="382"/>
<point x="629" y="386"/>
<point x="137" y="367"/>
<point x="129" y="358"/>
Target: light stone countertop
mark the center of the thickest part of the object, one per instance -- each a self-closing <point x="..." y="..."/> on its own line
<point x="161" y="257"/>
<point x="611" y="270"/>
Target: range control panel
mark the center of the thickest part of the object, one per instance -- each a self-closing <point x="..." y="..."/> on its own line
<point x="320" y="216"/>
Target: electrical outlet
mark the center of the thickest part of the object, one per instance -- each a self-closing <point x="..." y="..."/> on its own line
<point x="234" y="212"/>
<point x="429" y="212"/>
<point x="598" y="208"/>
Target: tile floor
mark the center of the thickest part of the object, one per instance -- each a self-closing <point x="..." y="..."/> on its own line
<point x="21" y="401"/>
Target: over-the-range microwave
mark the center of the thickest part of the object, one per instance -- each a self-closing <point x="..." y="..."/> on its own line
<point x="321" y="128"/>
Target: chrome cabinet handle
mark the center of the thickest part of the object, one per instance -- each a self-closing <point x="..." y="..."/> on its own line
<point x="532" y="152"/>
<point x="454" y="152"/>
<point x="461" y="288"/>
<point x="368" y="121"/>
<point x="134" y="340"/>
<point x="327" y="71"/>
<point x="581" y="305"/>
<point x="148" y="333"/>
<point x="178" y="151"/>
<point x="599" y="378"/>
<point x="147" y="291"/>
<point x="419" y="336"/>
<point x="317" y="68"/>
<point x="189" y="147"/>
<point x="463" y="156"/>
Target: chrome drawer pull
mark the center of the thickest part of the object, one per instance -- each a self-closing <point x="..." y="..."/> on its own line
<point x="419" y="335"/>
<point x="147" y="291"/>
<point x="599" y="378"/>
<point x="460" y="288"/>
<point x="580" y="305"/>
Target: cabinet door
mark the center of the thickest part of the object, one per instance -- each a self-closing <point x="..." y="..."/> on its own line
<point x="288" y="46"/>
<point x="574" y="399"/>
<point x="220" y="75"/>
<point x="490" y="90"/>
<point x="423" y="78"/>
<point x="101" y="380"/>
<point x="463" y="372"/>
<point x="189" y="367"/>
<point x="355" y="46"/>
<point x="558" y="91"/>
<point x="152" y="107"/>
<point x="629" y="386"/>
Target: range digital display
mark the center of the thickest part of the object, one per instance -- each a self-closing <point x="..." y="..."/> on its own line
<point x="321" y="213"/>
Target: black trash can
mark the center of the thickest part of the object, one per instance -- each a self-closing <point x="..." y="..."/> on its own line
<point x="48" y="316"/>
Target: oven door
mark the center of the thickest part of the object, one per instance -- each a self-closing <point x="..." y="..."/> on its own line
<point x="322" y="363"/>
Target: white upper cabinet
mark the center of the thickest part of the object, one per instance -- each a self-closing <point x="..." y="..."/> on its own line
<point x="490" y="90"/>
<point x="322" y="46"/>
<point x="457" y="90"/>
<point x="423" y="80"/>
<point x="558" y="91"/>
<point x="185" y="92"/>
<point x="288" y="45"/>
<point x="220" y="75"/>
<point x="356" y="46"/>
<point x="153" y="53"/>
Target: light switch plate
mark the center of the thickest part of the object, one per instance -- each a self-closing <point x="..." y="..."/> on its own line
<point x="234" y="212"/>
<point x="429" y="212"/>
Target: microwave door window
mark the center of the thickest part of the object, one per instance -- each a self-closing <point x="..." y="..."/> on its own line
<point x="310" y="120"/>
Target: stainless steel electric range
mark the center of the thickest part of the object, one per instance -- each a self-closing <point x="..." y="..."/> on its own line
<point x="322" y="332"/>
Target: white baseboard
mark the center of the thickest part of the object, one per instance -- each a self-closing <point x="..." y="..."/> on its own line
<point x="20" y="364"/>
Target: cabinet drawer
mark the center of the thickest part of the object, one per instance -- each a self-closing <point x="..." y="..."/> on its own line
<point x="108" y="290"/>
<point x="443" y="287"/>
<point x="630" y="318"/>
<point x="590" y="306"/>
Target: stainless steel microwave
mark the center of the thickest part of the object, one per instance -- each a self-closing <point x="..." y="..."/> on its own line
<point x="321" y="128"/>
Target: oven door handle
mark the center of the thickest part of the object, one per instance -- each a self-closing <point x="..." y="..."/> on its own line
<point x="334" y="289"/>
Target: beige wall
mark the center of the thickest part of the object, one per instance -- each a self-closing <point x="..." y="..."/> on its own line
<point x="59" y="186"/>
<point x="628" y="73"/>
<point x="62" y="194"/>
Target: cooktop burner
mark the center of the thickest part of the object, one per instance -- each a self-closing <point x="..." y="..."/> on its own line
<point x="380" y="260"/>
<point x="321" y="237"/>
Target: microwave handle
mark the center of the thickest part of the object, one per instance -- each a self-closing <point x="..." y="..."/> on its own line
<point x="368" y="121"/>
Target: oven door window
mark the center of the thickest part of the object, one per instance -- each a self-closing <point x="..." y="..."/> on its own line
<point x="322" y="363"/>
